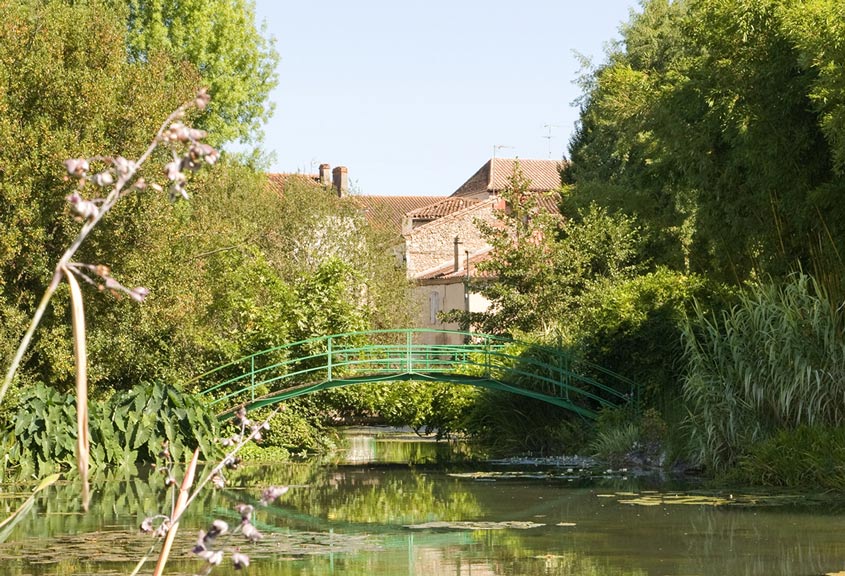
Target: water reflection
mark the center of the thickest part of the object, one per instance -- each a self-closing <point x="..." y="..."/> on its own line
<point x="344" y="518"/>
<point x="390" y="445"/>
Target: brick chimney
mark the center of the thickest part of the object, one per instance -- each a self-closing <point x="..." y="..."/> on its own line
<point x="340" y="180"/>
<point x="325" y="175"/>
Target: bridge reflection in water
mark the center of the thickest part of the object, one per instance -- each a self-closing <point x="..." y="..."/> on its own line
<point x="542" y="372"/>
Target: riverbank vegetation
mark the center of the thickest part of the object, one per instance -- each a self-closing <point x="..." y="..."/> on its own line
<point x="697" y="250"/>
<point x="713" y="132"/>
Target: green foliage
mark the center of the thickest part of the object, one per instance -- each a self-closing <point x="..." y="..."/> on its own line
<point x="524" y="271"/>
<point x="45" y="432"/>
<point x="220" y="39"/>
<point x="717" y="124"/>
<point x="807" y="457"/>
<point x="775" y="361"/>
<point x="542" y="265"/>
<point x="130" y="427"/>
<point x="318" y="227"/>
<point x="426" y="407"/>
<point x="329" y="301"/>
<point x="614" y="445"/>
<point x="816" y="29"/>
<point x="68" y="91"/>
<point x="297" y="429"/>
<point x="625" y="437"/>
<point x="511" y="424"/>
<point x="633" y="328"/>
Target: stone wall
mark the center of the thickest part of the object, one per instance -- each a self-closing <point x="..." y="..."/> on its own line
<point x="433" y="244"/>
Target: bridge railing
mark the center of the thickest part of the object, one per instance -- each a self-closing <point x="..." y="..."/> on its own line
<point x="401" y="354"/>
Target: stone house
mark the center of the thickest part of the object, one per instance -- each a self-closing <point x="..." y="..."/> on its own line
<point x="443" y="245"/>
<point x="437" y="237"/>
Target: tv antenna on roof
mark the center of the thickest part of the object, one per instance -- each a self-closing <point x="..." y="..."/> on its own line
<point x="499" y="147"/>
<point x="549" y="136"/>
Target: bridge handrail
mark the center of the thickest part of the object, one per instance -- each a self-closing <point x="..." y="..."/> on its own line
<point x="404" y="356"/>
<point x="465" y="349"/>
<point x="315" y="339"/>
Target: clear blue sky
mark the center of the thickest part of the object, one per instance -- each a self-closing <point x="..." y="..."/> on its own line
<point x="412" y="96"/>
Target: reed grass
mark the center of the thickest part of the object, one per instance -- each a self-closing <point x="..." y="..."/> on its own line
<point x="774" y="361"/>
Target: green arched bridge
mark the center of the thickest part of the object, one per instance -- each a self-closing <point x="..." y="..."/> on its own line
<point x="541" y="372"/>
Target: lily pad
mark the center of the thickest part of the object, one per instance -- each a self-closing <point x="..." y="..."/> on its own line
<point x="480" y="525"/>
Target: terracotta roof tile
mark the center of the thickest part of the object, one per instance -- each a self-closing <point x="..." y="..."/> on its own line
<point x="447" y="269"/>
<point x="387" y="211"/>
<point x="277" y="181"/>
<point x="493" y="176"/>
<point x="549" y="202"/>
<point x="444" y="207"/>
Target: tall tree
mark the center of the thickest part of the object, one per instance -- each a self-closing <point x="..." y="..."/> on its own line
<point x="66" y="90"/>
<point x="542" y="265"/>
<point x="220" y="38"/>
<point x="716" y="123"/>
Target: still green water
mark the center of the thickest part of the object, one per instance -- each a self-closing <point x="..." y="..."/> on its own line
<point x="369" y="513"/>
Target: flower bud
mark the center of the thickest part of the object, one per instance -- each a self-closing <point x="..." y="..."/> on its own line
<point x="76" y="166"/>
<point x="250" y="532"/>
<point x="240" y="560"/>
<point x="202" y="99"/>
<point x="139" y="293"/>
<point x="103" y="179"/>
<point x="124" y="167"/>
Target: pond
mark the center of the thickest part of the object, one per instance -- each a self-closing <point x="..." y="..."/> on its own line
<point x="370" y="512"/>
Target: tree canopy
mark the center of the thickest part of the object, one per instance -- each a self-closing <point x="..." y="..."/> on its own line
<point x="224" y="280"/>
<point x="719" y="126"/>
<point x="234" y="58"/>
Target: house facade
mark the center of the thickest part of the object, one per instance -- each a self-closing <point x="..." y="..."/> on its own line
<point x="443" y="244"/>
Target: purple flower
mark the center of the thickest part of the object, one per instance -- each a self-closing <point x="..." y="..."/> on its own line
<point x="173" y="171"/>
<point x="245" y="510"/>
<point x="124" y="167"/>
<point x="84" y="209"/>
<point x="103" y="179"/>
<point x="212" y="557"/>
<point x="251" y="532"/>
<point x="202" y="99"/>
<point x="139" y="293"/>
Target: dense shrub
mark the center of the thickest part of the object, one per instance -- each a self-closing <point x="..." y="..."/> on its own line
<point x="804" y="457"/>
<point x="626" y="437"/>
<point x="634" y="328"/>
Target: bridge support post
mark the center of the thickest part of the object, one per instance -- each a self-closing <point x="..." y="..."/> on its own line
<point x="329" y="359"/>
<point x="409" y="347"/>
<point x="252" y="377"/>
<point x="486" y="356"/>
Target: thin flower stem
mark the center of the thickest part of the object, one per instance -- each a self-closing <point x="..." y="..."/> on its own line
<point x="220" y="465"/>
<point x="181" y="506"/>
<point x="181" y="503"/>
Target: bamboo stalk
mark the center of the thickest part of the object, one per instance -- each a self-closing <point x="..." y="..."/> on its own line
<point x="81" y="357"/>
<point x="181" y="504"/>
